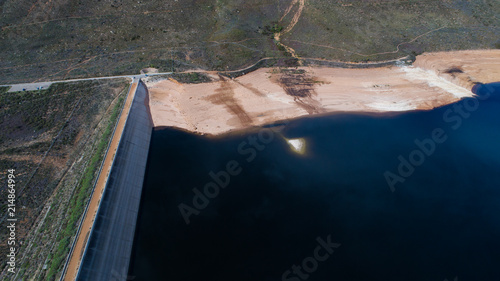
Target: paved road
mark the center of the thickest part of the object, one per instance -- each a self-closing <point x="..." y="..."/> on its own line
<point x="46" y="84"/>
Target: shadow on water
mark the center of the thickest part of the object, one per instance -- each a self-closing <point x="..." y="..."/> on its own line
<point x="442" y="220"/>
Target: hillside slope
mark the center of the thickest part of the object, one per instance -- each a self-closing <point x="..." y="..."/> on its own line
<point x="59" y="39"/>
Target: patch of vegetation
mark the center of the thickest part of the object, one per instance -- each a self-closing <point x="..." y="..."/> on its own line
<point x="271" y="29"/>
<point x="45" y="134"/>
<point x="191" y="78"/>
<point x="293" y="71"/>
<point x="4" y="90"/>
<point x="84" y="188"/>
<point x="47" y="109"/>
<point x="36" y="147"/>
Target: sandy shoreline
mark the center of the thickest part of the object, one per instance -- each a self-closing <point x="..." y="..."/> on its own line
<point x="271" y="94"/>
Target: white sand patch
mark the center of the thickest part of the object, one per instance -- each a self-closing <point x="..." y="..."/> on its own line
<point x="435" y="80"/>
<point x="280" y="97"/>
<point x="391" y="106"/>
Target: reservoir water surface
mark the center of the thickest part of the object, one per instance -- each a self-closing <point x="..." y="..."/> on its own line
<point x="410" y="196"/>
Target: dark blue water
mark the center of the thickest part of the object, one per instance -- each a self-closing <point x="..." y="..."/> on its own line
<point x="438" y="218"/>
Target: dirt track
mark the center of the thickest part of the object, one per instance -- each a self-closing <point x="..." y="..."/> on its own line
<point x="293" y="22"/>
<point x="88" y="220"/>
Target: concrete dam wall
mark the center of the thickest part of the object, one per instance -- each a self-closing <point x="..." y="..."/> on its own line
<point x="109" y="246"/>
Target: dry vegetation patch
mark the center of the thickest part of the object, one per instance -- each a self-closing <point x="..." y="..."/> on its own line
<point x="51" y="138"/>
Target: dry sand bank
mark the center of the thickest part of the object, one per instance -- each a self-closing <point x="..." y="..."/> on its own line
<point x="463" y="68"/>
<point x="271" y="94"/>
